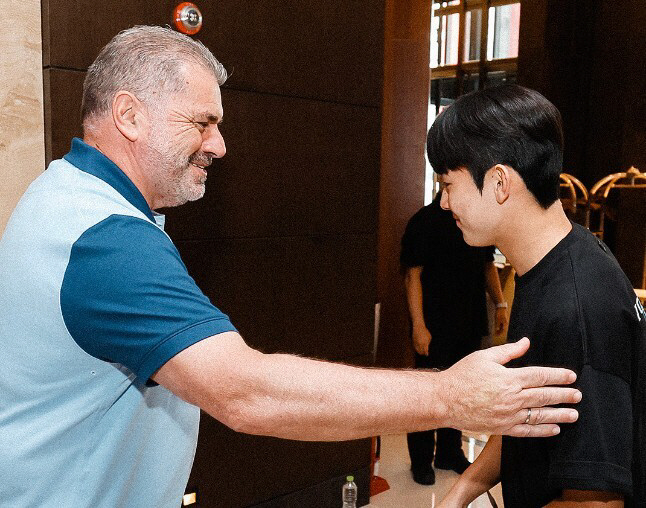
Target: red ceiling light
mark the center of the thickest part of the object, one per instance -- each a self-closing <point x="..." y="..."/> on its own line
<point x="187" y="18"/>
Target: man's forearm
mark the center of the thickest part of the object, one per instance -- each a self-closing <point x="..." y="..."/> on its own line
<point x="296" y="398"/>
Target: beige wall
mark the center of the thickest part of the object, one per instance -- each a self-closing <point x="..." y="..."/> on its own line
<point x="22" y="149"/>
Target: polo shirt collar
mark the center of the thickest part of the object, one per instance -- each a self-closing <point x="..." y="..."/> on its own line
<point x="90" y="160"/>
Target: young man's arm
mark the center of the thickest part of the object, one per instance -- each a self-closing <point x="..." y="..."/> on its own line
<point x="297" y="398"/>
<point x="421" y="334"/>
<point x="495" y="292"/>
<point x="479" y="477"/>
<point x="484" y="474"/>
<point x="587" y="499"/>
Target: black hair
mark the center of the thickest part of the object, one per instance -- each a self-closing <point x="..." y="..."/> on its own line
<point x="506" y="124"/>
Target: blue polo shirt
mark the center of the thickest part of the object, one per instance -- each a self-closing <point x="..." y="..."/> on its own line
<point x="94" y="299"/>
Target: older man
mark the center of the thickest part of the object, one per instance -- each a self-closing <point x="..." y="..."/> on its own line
<point x="109" y="349"/>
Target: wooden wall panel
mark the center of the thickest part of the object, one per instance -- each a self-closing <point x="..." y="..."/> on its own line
<point x="330" y="51"/>
<point x="312" y="296"/>
<point x="63" y="90"/>
<point x="241" y="470"/>
<point x="243" y="278"/>
<point x="403" y="139"/>
<point x="74" y="31"/>
<point x="330" y="284"/>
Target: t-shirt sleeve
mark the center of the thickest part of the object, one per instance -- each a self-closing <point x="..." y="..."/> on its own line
<point x="596" y="452"/>
<point x="127" y="297"/>
<point x="416" y="242"/>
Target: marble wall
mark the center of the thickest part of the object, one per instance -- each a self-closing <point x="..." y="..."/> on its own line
<point x="22" y="148"/>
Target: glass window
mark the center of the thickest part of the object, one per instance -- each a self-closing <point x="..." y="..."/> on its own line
<point x="449" y="36"/>
<point x="503" y="30"/>
<point x="435" y="47"/>
<point x="472" y="35"/>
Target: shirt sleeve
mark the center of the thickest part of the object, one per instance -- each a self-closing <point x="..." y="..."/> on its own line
<point x="127" y="297"/>
<point x="415" y="242"/>
<point x="596" y="452"/>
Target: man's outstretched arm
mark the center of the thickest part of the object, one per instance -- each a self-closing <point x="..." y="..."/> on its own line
<point x="297" y="398"/>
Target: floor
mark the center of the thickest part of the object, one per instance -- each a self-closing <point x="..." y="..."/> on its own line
<point x="394" y="467"/>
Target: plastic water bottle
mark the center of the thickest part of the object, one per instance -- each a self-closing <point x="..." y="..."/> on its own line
<point x="349" y="493"/>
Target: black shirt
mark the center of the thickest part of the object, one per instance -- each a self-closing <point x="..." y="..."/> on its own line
<point x="453" y="282"/>
<point x="580" y="312"/>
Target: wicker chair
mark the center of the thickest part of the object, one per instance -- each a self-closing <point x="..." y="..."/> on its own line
<point x="600" y="207"/>
<point x="574" y="198"/>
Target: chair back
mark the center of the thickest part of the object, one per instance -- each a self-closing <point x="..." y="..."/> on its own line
<point x="574" y="197"/>
<point x="599" y="203"/>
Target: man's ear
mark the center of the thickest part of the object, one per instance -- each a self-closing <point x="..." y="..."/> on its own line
<point x="502" y="182"/>
<point x="127" y="114"/>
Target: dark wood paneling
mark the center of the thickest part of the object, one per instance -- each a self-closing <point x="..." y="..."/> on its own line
<point x="292" y="167"/>
<point x="312" y="296"/>
<point x="243" y="278"/>
<point x="78" y="29"/>
<point x="330" y="285"/>
<point x="326" y="494"/>
<point x="235" y="470"/>
<point x="62" y="100"/>
<point x="588" y="57"/>
<point x="325" y="50"/>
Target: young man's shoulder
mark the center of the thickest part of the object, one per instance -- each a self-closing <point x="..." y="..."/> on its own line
<point x="596" y="271"/>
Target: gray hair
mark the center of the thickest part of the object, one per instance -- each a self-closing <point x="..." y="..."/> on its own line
<point x="148" y="61"/>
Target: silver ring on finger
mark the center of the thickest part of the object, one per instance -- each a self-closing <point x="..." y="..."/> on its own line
<point x="529" y="415"/>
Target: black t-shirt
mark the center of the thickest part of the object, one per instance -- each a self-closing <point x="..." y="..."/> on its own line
<point x="580" y="311"/>
<point x="453" y="281"/>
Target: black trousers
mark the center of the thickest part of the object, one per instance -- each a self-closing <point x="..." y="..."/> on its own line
<point x="422" y="446"/>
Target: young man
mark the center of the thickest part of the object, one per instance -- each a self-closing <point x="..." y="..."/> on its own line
<point x="499" y="151"/>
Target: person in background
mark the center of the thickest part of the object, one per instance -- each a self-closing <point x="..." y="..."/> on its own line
<point x="500" y="153"/>
<point x="109" y="349"/>
<point x="445" y="287"/>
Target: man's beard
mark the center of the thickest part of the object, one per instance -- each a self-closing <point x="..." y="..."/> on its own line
<point x="173" y="177"/>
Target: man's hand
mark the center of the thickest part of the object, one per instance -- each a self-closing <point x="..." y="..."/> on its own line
<point x="421" y="340"/>
<point x="482" y="395"/>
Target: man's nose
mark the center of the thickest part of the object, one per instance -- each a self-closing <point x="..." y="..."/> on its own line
<point x="444" y="200"/>
<point x="213" y="142"/>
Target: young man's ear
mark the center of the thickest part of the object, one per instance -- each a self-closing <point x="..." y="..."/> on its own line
<point x="502" y="181"/>
<point x="127" y="114"/>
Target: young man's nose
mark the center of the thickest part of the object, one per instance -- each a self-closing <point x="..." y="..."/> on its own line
<point x="444" y="201"/>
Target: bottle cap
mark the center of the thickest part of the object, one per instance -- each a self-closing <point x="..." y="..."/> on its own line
<point x="349" y="478"/>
